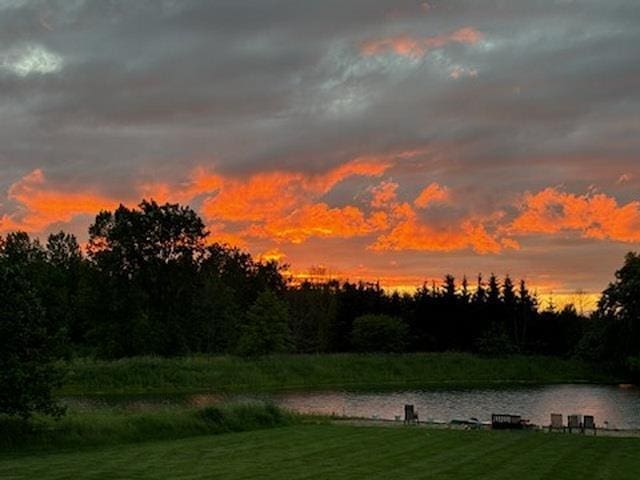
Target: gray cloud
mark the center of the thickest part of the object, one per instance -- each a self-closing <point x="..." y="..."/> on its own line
<point x="549" y="96"/>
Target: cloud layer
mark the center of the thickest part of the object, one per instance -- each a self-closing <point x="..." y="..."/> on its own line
<point x="393" y="139"/>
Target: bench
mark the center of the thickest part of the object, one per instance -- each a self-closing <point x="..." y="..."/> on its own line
<point x="501" y="421"/>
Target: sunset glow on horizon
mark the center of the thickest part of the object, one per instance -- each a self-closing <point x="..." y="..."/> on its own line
<point x="391" y="141"/>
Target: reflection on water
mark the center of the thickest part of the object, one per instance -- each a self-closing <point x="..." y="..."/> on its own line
<point x="618" y="405"/>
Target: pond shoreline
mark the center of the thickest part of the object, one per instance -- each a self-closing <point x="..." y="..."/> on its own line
<point x="612" y="406"/>
<point x="381" y="422"/>
<point x="331" y="387"/>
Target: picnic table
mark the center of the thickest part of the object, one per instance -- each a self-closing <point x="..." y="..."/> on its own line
<point x="502" y="421"/>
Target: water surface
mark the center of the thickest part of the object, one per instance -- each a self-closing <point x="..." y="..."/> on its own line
<point x="617" y="405"/>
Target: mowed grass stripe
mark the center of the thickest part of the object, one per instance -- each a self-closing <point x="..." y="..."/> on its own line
<point x="345" y="452"/>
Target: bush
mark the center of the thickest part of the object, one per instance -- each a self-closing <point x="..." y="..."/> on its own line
<point x="238" y="418"/>
<point x="379" y="333"/>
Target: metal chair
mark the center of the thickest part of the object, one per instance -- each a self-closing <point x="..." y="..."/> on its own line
<point x="556" y="422"/>
<point x="589" y="424"/>
<point x="410" y="415"/>
<point x="574" y="421"/>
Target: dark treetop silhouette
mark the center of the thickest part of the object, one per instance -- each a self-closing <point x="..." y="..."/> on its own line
<point x="151" y="284"/>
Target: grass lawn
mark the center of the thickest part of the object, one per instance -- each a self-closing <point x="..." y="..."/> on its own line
<point x="342" y="452"/>
<point x="150" y="375"/>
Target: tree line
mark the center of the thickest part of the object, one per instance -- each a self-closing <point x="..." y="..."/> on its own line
<point x="151" y="283"/>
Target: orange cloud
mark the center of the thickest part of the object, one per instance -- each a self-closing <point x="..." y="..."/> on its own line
<point x="406" y="231"/>
<point x="290" y="207"/>
<point x="263" y="196"/>
<point x="411" y="233"/>
<point x="599" y="216"/>
<point x="383" y="195"/>
<point x="273" y="255"/>
<point x="265" y="200"/>
<point x="407" y="46"/>
<point x="275" y="194"/>
<point x="219" y="234"/>
<point x="42" y="205"/>
<point x="432" y="194"/>
<point x="318" y="220"/>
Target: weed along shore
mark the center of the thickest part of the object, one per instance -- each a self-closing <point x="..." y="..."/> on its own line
<point x="155" y="375"/>
<point x="110" y="426"/>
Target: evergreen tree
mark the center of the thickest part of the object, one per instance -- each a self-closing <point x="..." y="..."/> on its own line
<point x="266" y="328"/>
<point x="480" y="296"/>
<point x="527" y="311"/>
<point x="493" y="291"/>
<point x="510" y="309"/>
<point x="465" y="296"/>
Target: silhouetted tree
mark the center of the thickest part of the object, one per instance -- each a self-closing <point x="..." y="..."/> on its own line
<point x="614" y="332"/>
<point x="313" y="313"/>
<point x="510" y="310"/>
<point x="150" y="284"/>
<point x="527" y="312"/>
<point x="148" y="259"/>
<point x="266" y="329"/>
<point x="28" y="344"/>
<point x="422" y="335"/>
<point x="480" y="296"/>
<point x="66" y="293"/>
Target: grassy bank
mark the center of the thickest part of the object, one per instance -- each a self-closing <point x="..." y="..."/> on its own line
<point x="118" y="426"/>
<point x="232" y="374"/>
<point x="344" y="452"/>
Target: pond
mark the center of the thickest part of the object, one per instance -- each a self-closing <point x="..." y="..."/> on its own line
<point x="617" y="405"/>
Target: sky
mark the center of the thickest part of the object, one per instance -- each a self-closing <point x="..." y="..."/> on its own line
<point x="391" y="140"/>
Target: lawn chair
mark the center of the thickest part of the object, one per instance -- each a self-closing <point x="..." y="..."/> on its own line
<point x="589" y="424"/>
<point x="574" y="421"/>
<point x="556" y="422"/>
<point x="410" y="415"/>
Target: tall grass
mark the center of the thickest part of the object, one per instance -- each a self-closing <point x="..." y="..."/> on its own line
<point x="116" y="426"/>
<point x="289" y="372"/>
